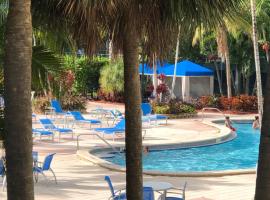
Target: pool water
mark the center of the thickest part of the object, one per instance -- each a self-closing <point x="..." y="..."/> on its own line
<point x="240" y="153"/>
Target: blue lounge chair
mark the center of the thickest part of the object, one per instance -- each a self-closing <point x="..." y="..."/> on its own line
<point x="47" y="124"/>
<point x="3" y="172"/>
<point x="79" y="118"/>
<point x="46" y="166"/>
<point x="147" y="112"/>
<point x="118" y="128"/>
<point x="179" y="193"/>
<point x="115" y="194"/>
<point x="57" y="107"/>
<point x="148" y="193"/>
<point x="42" y="132"/>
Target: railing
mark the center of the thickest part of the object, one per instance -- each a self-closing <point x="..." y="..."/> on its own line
<point x="94" y="134"/>
<point x="209" y="108"/>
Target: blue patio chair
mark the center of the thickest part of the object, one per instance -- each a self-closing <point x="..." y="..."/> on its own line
<point x="115" y="194"/>
<point x="48" y="124"/>
<point x="79" y="118"/>
<point x="57" y="107"/>
<point x="118" y="128"/>
<point x="46" y="166"/>
<point x="179" y="193"/>
<point x="148" y="193"/>
<point x="147" y="111"/>
<point x="116" y="115"/>
<point x="42" y="132"/>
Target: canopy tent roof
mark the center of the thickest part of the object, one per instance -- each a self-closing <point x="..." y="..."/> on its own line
<point x="184" y="68"/>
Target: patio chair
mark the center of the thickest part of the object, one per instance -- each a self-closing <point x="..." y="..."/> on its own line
<point x="148" y="193"/>
<point x="46" y="166"/>
<point x="147" y="111"/>
<point x="48" y="124"/>
<point x="115" y="194"/>
<point x="178" y="193"/>
<point x="56" y="107"/>
<point x="42" y="132"/>
<point x="118" y="128"/>
<point x="115" y="115"/>
<point x="80" y="119"/>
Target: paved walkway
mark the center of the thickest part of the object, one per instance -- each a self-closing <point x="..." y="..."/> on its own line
<point x="80" y="180"/>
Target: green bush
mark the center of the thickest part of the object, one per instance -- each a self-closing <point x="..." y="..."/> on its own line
<point x="162" y="109"/>
<point x="185" y="108"/>
<point x="87" y="73"/>
<point x="173" y="107"/>
<point x="112" y="78"/>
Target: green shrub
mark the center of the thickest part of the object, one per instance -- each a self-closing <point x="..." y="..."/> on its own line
<point x="87" y="72"/>
<point x="185" y="108"/>
<point x="173" y="107"/>
<point x="162" y="109"/>
<point x="112" y="78"/>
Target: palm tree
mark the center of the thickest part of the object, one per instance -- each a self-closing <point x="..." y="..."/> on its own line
<point x="129" y="20"/>
<point x="223" y="48"/>
<point x="257" y="58"/>
<point x="17" y="83"/>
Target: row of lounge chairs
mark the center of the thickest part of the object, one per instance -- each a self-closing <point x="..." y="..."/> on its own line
<point x="49" y="128"/>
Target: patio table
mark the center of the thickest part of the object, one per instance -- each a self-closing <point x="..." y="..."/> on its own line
<point x="159" y="186"/>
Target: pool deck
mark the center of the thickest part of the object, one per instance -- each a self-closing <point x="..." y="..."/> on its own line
<point x="78" y="179"/>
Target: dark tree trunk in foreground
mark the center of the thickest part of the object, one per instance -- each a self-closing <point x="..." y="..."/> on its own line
<point x="263" y="170"/>
<point x="132" y="115"/>
<point x="18" y="120"/>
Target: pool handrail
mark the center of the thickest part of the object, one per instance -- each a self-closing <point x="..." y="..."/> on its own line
<point x="211" y="108"/>
<point x="101" y="138"/>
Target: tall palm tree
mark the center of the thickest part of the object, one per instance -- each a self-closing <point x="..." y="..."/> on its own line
<point x="257" y="58"/>
<point x="17" y="83"/>
<point x="223" y="48"/>
<point x="129" y="20"/>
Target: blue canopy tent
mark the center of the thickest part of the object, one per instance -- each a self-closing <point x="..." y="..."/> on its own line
<point x="192" y="80"/>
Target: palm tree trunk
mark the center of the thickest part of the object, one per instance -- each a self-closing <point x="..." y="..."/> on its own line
<point x="263" y="169"/>
<point x="132" y="115"/>
<point x="175" y="62"/>
<point x="18" y="120"/>
<point x="228" y="74"/>
<point x="155" y="77"/>
<point x="219" y="79"/>
<point x="257" y="58"/>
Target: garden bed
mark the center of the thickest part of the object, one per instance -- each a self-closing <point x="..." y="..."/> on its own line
<point x="181" y="116"/>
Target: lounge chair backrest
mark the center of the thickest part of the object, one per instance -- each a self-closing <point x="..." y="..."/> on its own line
<point x="56" y="105"/>
<point x="148" y="193"/>
<point x="77" y="115"/>
<point x="108" y="180"/>
<point x="146" y="108"/>
<point x="47" y="162"/>
<point x="121" y="124"/>
<point x="47" y="124"/>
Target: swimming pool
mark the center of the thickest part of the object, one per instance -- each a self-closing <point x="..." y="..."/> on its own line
<point x="240" y="153"/>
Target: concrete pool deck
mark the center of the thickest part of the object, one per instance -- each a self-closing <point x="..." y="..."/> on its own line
<point x="83" y="180"/>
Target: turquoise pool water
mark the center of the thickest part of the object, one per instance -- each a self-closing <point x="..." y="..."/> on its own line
<point x="240" y="153"/>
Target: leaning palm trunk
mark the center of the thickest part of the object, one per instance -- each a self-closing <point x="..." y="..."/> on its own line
<point x="257" y="59"/>
<point x="18" y="121"/>
<point x="133" y="116"/>
<point x="175" y="62"/>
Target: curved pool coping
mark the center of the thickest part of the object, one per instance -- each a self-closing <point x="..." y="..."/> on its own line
<point x="226" y="136"/>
